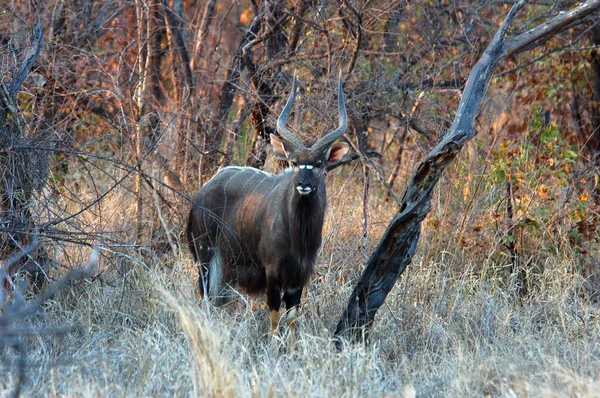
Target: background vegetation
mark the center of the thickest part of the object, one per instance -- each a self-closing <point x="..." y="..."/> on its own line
<point x="131" y="105"/>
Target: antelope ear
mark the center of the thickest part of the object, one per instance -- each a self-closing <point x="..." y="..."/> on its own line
<point x="278" y="148"/>
<point x="336" y="152"/>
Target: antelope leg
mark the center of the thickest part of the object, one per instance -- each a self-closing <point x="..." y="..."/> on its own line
<point x="292" y="300"/>
<point x="274" y="302"/>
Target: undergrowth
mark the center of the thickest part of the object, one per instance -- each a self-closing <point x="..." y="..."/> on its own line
<point x="452" y="326"/>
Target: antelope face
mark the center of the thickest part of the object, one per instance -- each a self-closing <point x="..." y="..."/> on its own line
<point x="308" y="171"/>
<point x="308" y="165"/>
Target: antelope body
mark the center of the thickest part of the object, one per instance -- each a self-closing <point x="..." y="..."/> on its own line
<point x="262" y="231"/>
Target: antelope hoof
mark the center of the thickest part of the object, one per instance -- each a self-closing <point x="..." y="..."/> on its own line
<point x="291" y="317"/>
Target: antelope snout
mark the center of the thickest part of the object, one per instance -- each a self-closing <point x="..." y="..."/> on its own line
<point x="304" y="187"/>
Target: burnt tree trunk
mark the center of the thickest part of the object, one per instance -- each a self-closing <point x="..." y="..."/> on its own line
<point x="399" y="242"/>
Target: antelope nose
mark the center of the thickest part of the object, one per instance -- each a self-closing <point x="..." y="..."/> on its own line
<point x="304" y="187"/>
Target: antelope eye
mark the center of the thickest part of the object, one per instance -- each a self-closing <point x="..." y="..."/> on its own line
<point x="294" y="163"/>
<point x="319" y="163"/>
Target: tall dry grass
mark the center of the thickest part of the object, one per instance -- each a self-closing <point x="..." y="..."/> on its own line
<point x="452" y="326"/>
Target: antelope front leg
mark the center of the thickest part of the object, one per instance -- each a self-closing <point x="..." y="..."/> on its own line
<point x="292" y="300"/>
<point x="274" y="302"/>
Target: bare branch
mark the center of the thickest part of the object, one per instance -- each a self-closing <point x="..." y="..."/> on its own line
<point x="562" y="21"/>
<point x="369" y="153"/>
<point x="21" y="311"/>
<point x="359" y="36"/>
<point x="9" y="264"/>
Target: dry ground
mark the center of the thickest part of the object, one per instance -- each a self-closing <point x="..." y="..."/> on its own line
<point x="450" y="327"/>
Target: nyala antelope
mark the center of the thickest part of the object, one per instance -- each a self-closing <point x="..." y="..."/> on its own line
<point x="262" y="231"/>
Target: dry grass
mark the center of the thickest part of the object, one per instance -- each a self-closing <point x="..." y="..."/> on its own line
<point x="450" y="327"/>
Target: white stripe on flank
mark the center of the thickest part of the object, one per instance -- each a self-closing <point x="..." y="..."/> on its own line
<point x="249" y="168"/>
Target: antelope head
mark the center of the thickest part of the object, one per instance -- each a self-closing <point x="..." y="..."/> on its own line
<point x="309" y="163"/>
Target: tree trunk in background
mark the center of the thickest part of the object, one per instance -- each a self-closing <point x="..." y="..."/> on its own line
<point x="264" y="81"/>
<point x="212" y="139"/>
<point x="143" y="21"/>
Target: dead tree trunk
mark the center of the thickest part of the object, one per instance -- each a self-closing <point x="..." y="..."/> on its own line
<point x="399" y="242"/>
